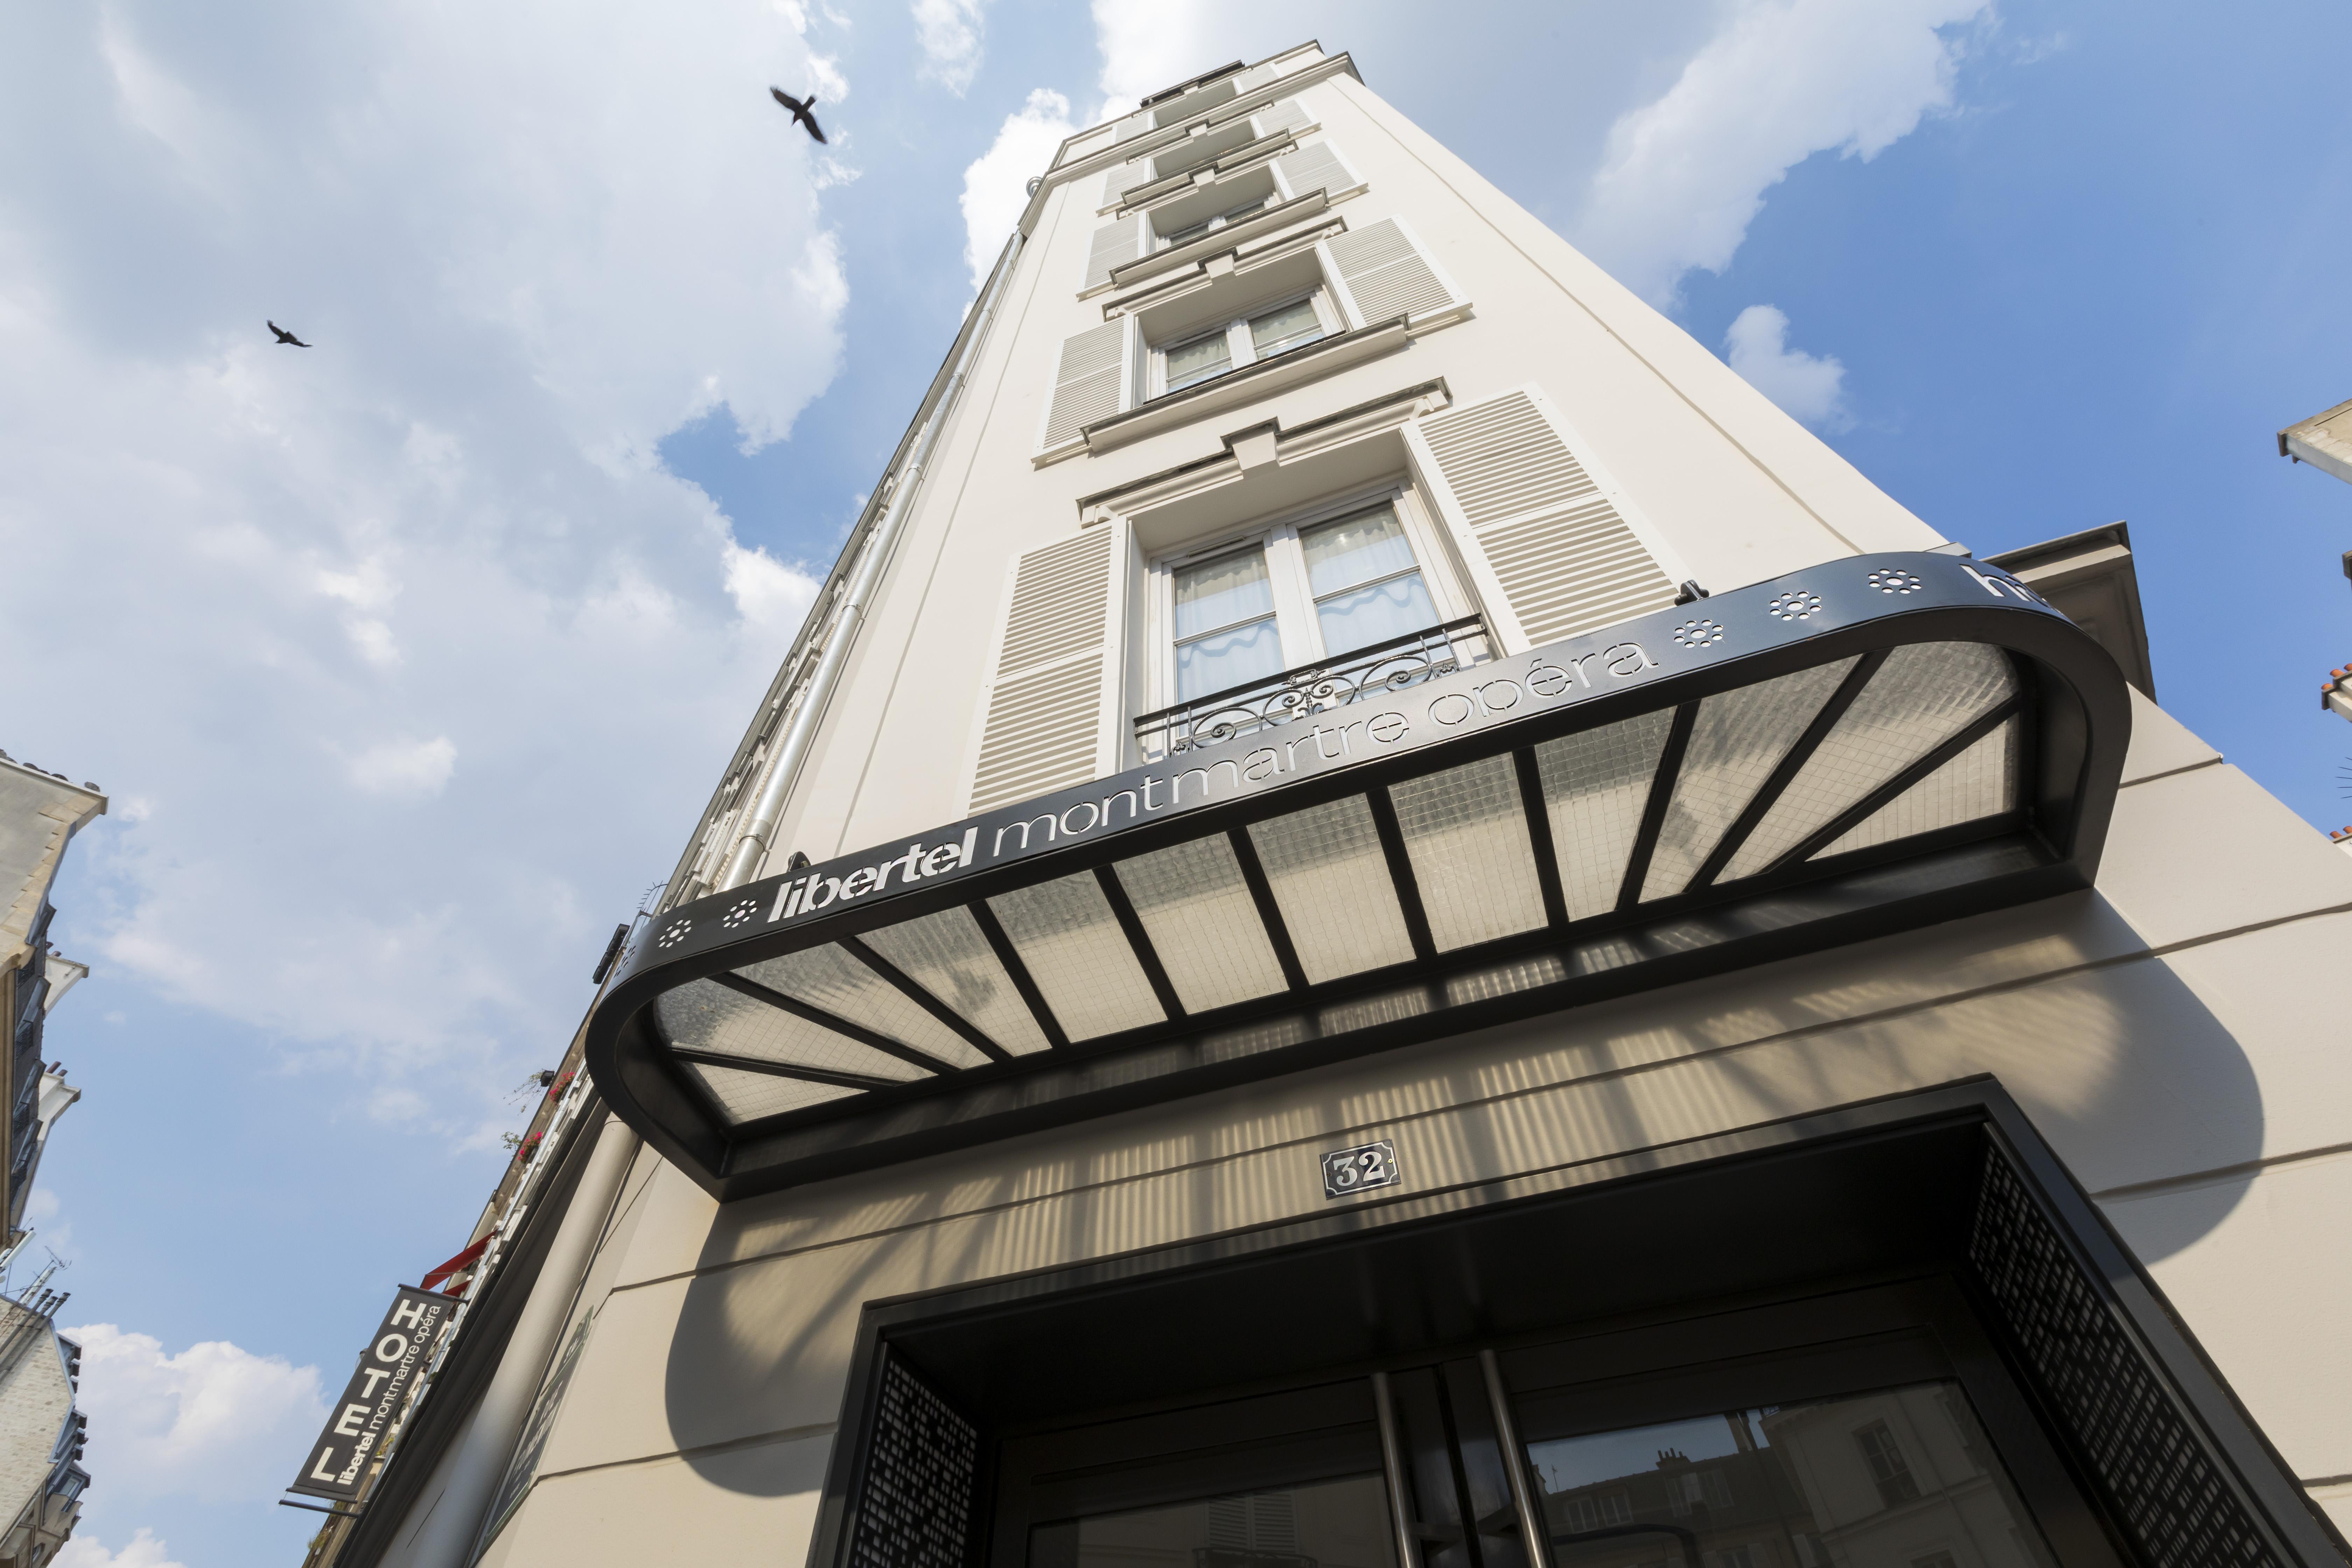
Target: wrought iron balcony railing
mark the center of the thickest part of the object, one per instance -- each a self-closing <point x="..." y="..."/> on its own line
<point x="1384" y="667"/>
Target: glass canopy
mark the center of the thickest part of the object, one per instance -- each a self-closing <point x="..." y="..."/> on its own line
<point x="1876" y="742"/>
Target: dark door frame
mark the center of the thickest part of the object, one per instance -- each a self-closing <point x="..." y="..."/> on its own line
<point x="1953" y="1179"/>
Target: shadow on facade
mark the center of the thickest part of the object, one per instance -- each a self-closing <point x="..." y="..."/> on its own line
<point x="2121" y="1068"/>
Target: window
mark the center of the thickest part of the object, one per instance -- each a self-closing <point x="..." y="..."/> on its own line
<point x="1229" y="346"/>
<point x="1887" y="1466"/>
<point x="1594" y="1510"/>
<point x="1368" y="587"/>
<point x="1191" y="231"/>
<point x="1690" y="1490"/>
<point x="1296" y="594"/>
<point x="1225" y="630"/>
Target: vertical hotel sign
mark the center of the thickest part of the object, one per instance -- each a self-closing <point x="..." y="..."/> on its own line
<point x="386" y="1371"/>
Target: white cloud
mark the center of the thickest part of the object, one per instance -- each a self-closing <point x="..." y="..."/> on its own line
<point x="145" y="1550"/>
<point x="1147" y="46"/>
<point x="949" y="34"/>
<point x="527" y="244"/>
<point x="1780" y="81"/>
<point x="996" y="184"/>
<point x="408" y="769"/>
<point x="769" y="595"/>
<point x="1811" y="389"/>
<point x="213" y="1422"/>
<point x="42" y="1210"/>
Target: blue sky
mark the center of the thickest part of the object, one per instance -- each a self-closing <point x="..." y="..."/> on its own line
<point x="408" y="660"/>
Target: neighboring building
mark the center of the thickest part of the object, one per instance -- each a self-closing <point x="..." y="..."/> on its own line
<point x="2324" y="440"/>
<point x="40" y="1431"/>
<point x="40" y="814"/>
<point x="41" y="1477"/>
<point x="1375" y="893"/>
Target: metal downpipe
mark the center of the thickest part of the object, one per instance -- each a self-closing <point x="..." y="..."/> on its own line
<point x="751" y="845"/>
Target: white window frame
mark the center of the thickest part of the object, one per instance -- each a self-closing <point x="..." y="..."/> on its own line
<point x="1233" y="215"/>
<point x="1240" y="353"/>
<point x="1294" y="599"/>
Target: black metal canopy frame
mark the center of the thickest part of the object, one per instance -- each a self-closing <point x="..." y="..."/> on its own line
<point x="1866" y="746"/>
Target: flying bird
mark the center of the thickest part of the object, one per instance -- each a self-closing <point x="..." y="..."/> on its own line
<point x="284" y="336"/>
<point x="800" y="108"/>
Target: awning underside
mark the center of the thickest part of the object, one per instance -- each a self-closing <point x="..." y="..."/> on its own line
<point x="1833" y="766"/>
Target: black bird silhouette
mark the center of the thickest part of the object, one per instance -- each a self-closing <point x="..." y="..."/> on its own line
<point x="284" y="336"/>
<point x="800" y="108"/>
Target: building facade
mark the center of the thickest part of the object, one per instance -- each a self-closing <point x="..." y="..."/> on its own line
<point x="41" y="1477"/>
<point x="1384" y="921"/>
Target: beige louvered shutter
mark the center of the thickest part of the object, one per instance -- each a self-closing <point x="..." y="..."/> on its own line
<point x="1316" y="166"/>
<point x="1387" y="274"/>
<point x="1054" y="672"/>
<point x="1555" y="548"/>
<point x="1088" y="380"/>
<point x="1123" y="178"/>
<point x="1134" y="125"/>
<point x="1282" y="114"/>
<point x="1116" y="244"/>
<point x="1253" y="78"/>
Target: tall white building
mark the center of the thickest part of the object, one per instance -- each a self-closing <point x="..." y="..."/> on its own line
<point x="1384" y="922"/>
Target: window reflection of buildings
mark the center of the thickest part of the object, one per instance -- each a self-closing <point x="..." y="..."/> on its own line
<point x="1331" y="1524"/>
<point x="1887" y="1481"/>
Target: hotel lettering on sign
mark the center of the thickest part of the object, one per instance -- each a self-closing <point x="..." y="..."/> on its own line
<point x="358" y="1421"/>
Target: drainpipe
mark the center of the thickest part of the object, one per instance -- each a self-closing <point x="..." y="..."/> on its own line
<point x="760" y="827"/>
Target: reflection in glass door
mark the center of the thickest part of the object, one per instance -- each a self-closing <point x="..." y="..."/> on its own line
<point x="1900" y="1478"/>
<point x="1329" y="1524"/>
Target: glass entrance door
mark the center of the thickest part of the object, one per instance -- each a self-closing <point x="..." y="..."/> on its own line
<point x="1286" y="1480"/>
<point x="1872" y="1428"/>
<point x="1898" y="1478"/>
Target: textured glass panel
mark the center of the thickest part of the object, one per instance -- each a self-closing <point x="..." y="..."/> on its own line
<point x="748" y="1096"/>
<point x="1921" y="696"/>
<point x="1595" y="785"/>
<point x="1355" y="550"/>
<point x="1739" y="738"/>
<point x="1290" y="327"/>
<point x="1467" y="835"/>
<point x="1332" y="885"/>
<point x="704" y="1016"/>
<point x="1227" y="658"/>
<point x="829" y="978"/>
<point x="946" y="955"/>
<point x="1202" y="924"/>
<point x="1362" y="617"/>
<point x="1979" y="782"/>
<point x="1221" y="592"/>
<point x="1071" y="942"/>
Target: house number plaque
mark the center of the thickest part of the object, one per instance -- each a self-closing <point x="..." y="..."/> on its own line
<point x="1346" y="1172"/>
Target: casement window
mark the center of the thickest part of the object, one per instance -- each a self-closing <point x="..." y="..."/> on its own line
<point x="1200" y="150"/>
<point x="1262" y="335"/>
<point x="1888" y="1469"/>
<point x="1299" y="594"/>
<point x="1690" y="1490"/>
<point x="1193" y="231"/>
